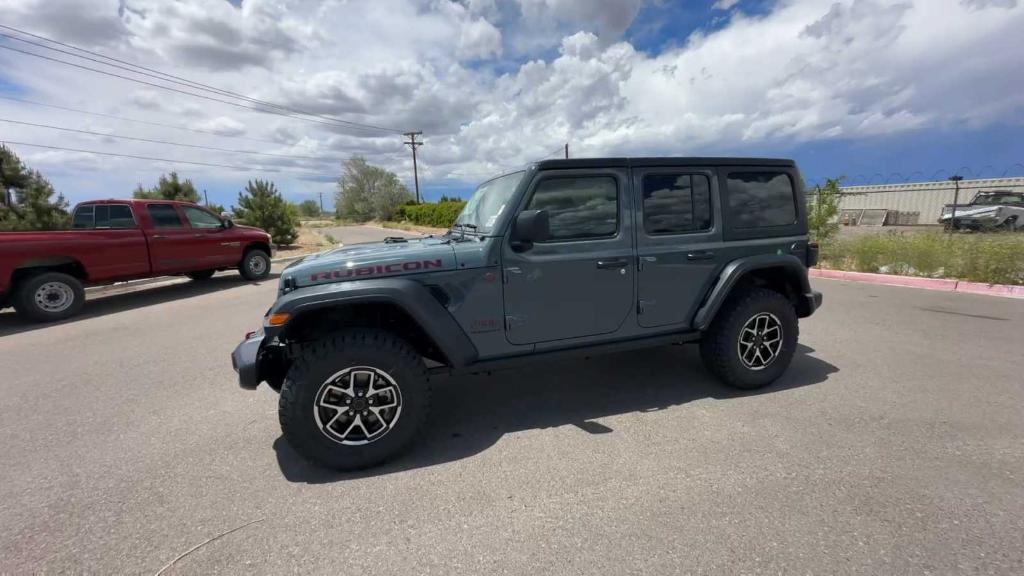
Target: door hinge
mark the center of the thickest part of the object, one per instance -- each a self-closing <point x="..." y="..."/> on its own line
<point x="513" y="321"/>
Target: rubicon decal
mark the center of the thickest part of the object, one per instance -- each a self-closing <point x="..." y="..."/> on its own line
<point x="376" y="270"/>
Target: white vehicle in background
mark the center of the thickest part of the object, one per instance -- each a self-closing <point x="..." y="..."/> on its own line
<point x="995" y="210"/>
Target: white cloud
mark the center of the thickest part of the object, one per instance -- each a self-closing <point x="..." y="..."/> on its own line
<point x="808" y="70"/>
<point x="724" y="4"/>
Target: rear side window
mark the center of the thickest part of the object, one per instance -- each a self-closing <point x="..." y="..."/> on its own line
<point x="114" y="216"/>
<point x="164" y="216"/>
<point x="676" y="203"/>
<point x="761" y="199"/>
<point x="83" y="217"/>
<point x="579" y="208"/>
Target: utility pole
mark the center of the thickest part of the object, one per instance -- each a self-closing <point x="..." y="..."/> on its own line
<point x="206" y="198"/>
<point x="956" y="178"/>
<point x="321" y="204"/>
<point x="412" y="143"/>
<point x="566" y="150"/>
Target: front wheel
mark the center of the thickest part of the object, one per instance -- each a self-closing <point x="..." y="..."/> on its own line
<point x="49" y="297"/>
<point x="255" y="265"/>
<point x="752" y="340"/>
<point x="354" y="400"/>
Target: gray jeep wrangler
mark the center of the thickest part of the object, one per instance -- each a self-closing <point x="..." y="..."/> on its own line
<point x="564" y="257"/>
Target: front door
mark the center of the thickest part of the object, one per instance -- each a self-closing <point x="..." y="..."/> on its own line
<point x="677" y="242"/>
<point x="579" y="283"/>
<point x="171" y="243"/>
<point x="215" y="246"/>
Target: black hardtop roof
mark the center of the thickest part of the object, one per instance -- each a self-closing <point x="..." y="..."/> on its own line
<point x="663" y="161"/>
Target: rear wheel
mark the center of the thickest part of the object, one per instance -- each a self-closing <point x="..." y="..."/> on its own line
<point x="354" y="400"/>
<point x="49" y="297"/>
<point x="255" y="265"/>
<point x="752" y="340"/>
<point x="201" y="274"/>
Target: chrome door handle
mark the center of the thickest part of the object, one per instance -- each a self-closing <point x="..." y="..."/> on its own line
<point x="650" y="258"/>
<point x="700" y="255"/>
<point x="159" y="237"/>
<point x="200" y="235"/>
<point x="610" y="264"/>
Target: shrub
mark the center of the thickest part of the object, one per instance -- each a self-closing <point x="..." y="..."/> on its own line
<point x="991" y="258"/>
<point x="439" y="215"/>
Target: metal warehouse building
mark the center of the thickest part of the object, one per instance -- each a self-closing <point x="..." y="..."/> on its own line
<point x="914" y="203"/>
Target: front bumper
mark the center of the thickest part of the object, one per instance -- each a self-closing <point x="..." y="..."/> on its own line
<point x="245" y="360"/>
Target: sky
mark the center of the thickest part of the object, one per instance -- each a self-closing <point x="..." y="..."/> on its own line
<point x="877" y="91"/>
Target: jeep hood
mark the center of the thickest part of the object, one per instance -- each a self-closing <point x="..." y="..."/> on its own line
<point x="371" y="260"/>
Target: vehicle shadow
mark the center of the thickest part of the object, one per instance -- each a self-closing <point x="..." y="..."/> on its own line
<point x="136" y="297"/>
<point x="471" y="413"/>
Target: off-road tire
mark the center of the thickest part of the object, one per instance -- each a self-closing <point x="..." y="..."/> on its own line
<point x="200" y="275"/>
<point x="250" y="269"/>
<point x="25" y="297"/>
<point x="719" y="346"/>
<point x="319" y="362"/>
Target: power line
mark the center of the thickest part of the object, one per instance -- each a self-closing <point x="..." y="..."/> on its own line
<point x="170" y="160"/>
<point x="165" y="77"/>
<point x="172" y="89"/>
<point x="168" y="143"/>
<point x="136" y="120"/>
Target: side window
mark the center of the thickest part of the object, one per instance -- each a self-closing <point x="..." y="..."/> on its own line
<point x="676" y="203"/>
<point x="114" y="216"/>
<point x="83" y="217"/>
<point x="761" y="199"/>
<point x="579" y="208"/>
<point x="201" y="218"/>
<point x="164" y="216"/>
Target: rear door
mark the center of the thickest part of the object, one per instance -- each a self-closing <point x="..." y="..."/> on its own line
<point x="580" y="282"/>
<point x="172" y="246"/>
<point x="122" y="251"/>
<point x="678" y="243"/>
<point x="213" y="245"/>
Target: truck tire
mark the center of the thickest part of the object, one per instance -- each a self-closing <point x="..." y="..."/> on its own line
<point x="49" y="297"/>
<point x="200" y="275"/>
<point x="354" y="400"/>
<point x="255" y="265"/>
<point x="752" y="339"/>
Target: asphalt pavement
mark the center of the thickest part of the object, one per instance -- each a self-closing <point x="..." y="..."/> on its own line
<point x="358" y="234"/>
<point x="894" y="444"/>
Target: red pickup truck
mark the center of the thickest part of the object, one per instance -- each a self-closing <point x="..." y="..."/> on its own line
<point x="42" y="273"/>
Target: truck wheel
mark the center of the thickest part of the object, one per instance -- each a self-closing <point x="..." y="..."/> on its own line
<point x="255" y="265"/>
<point x="354" y="400"/>
<point x="49" y="297"/>
<point x="752" y="340"/>
<point x="201" y="274"/>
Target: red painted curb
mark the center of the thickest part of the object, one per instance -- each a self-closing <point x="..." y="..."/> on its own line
<point x="941" y="284"/>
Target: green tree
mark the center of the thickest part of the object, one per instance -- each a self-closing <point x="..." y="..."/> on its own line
<point x="216" y="208"/>
<point x="823" y="209"/>
<point x="169" y="188"/>
<point x="309" y="208"/>
<point x="261" y="205"/>
<point x="366" y="192"/>
<point x="26" y="198"/>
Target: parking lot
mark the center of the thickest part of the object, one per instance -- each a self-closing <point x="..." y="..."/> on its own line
<point x="894" y="444"/>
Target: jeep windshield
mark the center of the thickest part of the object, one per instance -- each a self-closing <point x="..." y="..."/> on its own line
<point x="996" y="198"/>
<point x="488" y="202"/>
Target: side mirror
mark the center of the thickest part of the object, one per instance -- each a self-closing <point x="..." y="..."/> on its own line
<point x="226" y="219"/>
<point x="531" y="226"/>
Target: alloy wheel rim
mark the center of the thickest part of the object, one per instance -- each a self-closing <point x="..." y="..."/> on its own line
<point x="54" y="297"/>
<point x="760" y="341"/>
<point x="357" y="405"/>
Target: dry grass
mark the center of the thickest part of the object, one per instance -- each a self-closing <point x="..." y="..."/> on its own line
<point x="309" y="241"/>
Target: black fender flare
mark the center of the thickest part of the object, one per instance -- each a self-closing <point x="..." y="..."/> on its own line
<point x="410" y="296"/>
<point x="733" y="273"/>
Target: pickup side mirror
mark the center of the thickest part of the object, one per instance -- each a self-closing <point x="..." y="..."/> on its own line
<point x="226" y="220"/>
<point x="530" y="226"/>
